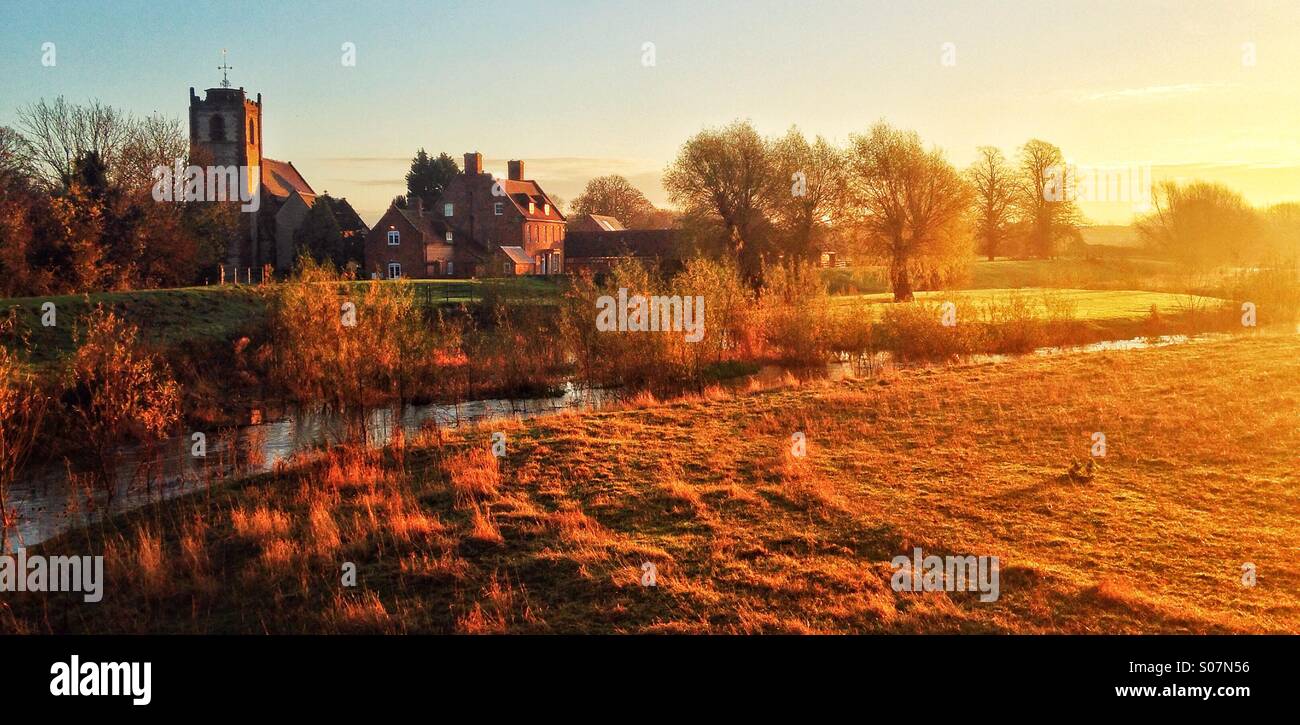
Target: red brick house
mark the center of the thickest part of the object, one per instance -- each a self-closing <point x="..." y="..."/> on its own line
<point x="416" y="243"/>
<point x="510" y="212"/>
<point x="480" y="226"/>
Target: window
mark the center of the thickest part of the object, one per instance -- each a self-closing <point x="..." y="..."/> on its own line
<point x="433" y="269"/>
<point x="252" y="131"/>
<point x="546" y="209"/>
<point x="449" y="269"/>
<point x="506" y="268"/>
<point x="449" y="238"/>
<point x="447" y="209"/>
<point x="532" y="207"/>
<point x="394" y="270"/>
<point x="217" y="128"/>
<point x="394" y="238"/>
<point x="498" y="208"/>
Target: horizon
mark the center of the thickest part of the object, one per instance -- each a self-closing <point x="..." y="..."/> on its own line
<point x="1164" y="85"/>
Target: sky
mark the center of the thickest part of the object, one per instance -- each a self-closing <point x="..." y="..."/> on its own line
<point x="1185" y="89"/>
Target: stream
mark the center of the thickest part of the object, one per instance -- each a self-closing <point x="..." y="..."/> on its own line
<point x="50" y="499"/>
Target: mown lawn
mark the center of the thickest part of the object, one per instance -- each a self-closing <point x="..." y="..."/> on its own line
<point x="1199" y="480"/>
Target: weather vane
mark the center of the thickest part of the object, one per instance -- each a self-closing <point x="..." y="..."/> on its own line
<point x="225" y="80"/>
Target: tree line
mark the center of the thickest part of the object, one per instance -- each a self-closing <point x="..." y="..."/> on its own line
<point x="78" y="214"/>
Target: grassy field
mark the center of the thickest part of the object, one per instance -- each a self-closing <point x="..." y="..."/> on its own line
<point x="1107" y="274"/>
<point x="172" y="318"/>
<point x="1094" y="305"/>
<point x="1199" y="478"/>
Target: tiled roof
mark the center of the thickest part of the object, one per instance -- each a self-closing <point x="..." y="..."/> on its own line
<point x="280" y="177"/>
<point x="622" y="242"/>
<point x="432" y="227"/>
<point x="522" y="192"/>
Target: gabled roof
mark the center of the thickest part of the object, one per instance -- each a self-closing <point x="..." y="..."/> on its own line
<point x="621" y="242"/>
<point x="608" y="223"/>
<point x="280" y="177"/>
<point x="432" y="227"/>
<point x="517" y="255"/>
<point x="522" y="192"/>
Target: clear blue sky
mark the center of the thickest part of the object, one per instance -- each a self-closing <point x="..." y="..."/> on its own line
<point x="561" y="83"/>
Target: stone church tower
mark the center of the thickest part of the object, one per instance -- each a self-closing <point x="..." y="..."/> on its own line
<point x="226" y="130"/>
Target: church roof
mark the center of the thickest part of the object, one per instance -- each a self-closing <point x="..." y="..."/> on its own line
<point x="280" y="178"/>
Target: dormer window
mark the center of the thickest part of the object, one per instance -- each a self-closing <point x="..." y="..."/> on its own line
<point x="532" y="207"/>
<point x="447" y="209"/>
<point x="498" y="208"/>
<point x="394" y="238"/>
<point x="546" y="209"/>
<point x="449" y="237"/>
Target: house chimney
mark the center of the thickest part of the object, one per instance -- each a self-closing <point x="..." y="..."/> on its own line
<point x="473" y="163"/>
<point x="516" y="170"/>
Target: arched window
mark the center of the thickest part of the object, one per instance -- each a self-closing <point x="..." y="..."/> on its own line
<point x="217" y="128"/>
<point x="252" y="131"/>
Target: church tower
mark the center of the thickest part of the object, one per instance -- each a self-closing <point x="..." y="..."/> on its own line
<point x="226" y="130"/>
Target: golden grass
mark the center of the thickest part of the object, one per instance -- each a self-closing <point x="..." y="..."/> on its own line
<point x="1199" y="478"/>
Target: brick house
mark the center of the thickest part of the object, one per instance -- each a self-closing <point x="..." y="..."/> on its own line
<point x="479" y="226"/>
<point x="416" y="243"/>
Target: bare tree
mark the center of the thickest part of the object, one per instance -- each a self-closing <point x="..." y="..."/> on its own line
<point x="914" y="202"/>
<point x="808" y="194"/>
<point x="614" y="196"/>
<point x="1200" y="224"/>
<point x="993" y="183"/>
<point x="1044" y="198"/>
<point x="56" y="134"/>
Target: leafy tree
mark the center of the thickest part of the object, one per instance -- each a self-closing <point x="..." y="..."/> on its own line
<point x="429" y="176"/>
<point x="914" y="202"/>
<point x="808" y="193"/>
<point x="727" y="174"/>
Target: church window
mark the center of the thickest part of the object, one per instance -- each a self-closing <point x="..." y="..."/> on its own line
<point x="217" y="128"/>
<point x="252" y="131"/>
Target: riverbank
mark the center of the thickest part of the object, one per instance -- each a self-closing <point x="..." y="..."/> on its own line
<point x="1198" y="480"/>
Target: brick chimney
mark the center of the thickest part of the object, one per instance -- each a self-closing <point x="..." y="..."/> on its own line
<point x="473" y="163"/>
<point x="516" y="170"/>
